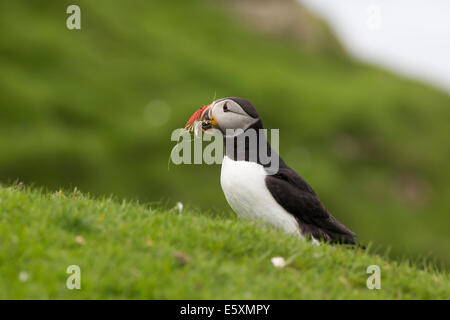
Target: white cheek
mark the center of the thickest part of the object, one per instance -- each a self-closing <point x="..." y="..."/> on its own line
<point x="234" y="121"/>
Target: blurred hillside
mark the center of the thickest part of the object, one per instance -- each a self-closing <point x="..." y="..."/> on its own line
<point x="94" y="108"/>
<point x="286" y="19"/>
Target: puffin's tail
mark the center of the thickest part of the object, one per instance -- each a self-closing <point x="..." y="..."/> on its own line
<point x="347" y="238"/>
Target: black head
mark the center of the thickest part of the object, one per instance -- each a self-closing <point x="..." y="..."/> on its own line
<point x="232" y="114"/>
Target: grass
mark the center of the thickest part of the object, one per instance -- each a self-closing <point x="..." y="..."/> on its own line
<point x="95" y="108"/>
<point x="137" y="251"/>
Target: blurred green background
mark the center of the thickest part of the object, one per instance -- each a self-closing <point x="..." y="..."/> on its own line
<point x="95" y="108"/>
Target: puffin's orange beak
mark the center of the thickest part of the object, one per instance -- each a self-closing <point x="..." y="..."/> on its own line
<point x="204" y="116"/>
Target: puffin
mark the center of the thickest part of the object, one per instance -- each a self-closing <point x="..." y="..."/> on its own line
<point x="282" y="199"/>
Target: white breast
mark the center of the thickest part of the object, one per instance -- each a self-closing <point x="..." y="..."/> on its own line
<point x="244" y="186"/>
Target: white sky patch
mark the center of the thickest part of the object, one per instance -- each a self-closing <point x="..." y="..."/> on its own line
<point x="411" y="37"/>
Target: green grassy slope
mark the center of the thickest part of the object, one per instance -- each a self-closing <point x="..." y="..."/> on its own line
<point x="95" y="108"/>
<point x="136" y="251"/>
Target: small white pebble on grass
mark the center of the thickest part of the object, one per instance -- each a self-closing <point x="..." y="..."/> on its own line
<point x="23" y="276"/>
<point x="79" y="240"/>
<point x="179" y="207"/>
<point x="278" y="262"/>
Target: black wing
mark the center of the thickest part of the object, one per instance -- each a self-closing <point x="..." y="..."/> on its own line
<point x="299" y="199"/>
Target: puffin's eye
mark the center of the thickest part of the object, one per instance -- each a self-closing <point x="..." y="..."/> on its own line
<point x="225" y="108"/>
